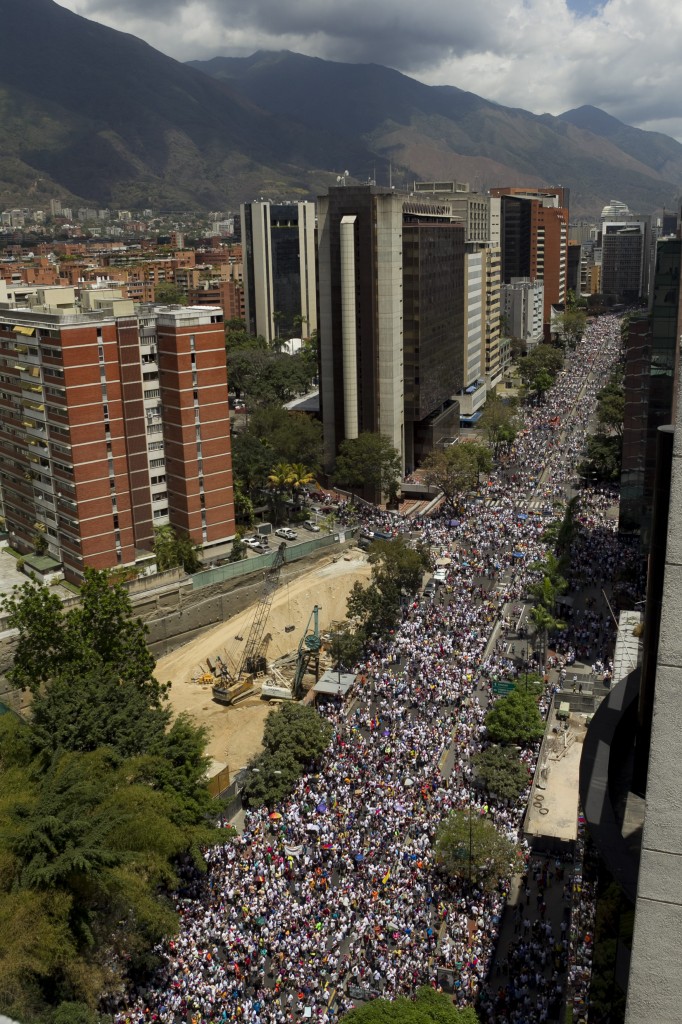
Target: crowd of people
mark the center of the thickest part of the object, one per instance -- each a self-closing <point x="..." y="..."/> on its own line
<point x="334" y="895"/>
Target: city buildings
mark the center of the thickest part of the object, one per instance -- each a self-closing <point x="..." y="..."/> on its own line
<point x="391" y="308"/>
<point x="625" y="243"/>
<point x="522" y="302"/>
<point x="278" y="241"/>
<point x="113" y="420"/>
<point x="651" y="375"/>
<point x="534" y="240"/>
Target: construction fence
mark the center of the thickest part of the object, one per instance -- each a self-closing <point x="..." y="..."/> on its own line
<point x="232" y="570"/>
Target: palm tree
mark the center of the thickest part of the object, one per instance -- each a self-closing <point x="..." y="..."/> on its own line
<point x="279" y="481"/>
<point x="545" y="623"/>
<point x="299" y="476"/>
<point x="299" y="322"/>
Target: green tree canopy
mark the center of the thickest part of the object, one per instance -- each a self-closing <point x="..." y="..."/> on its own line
<point x="369" y="461"/>
<point x="397" y="571"/>
<point x="292" y="437"/>
<point x="611" y="404"/>
<point x="170" y="294"/>
<point x="252" y="460"/>
<point x="454" y="470"/>
<point x="100" y="631"/>
<point x="540" y="367"/>
<point x="470" y="846"/>
<point x="175" y="549"/>
<point x="570" y="326"/>
<point x="499" y="421"/>
<point x="298" y="729"/>
<point x="295" y="736"/>
<point x="515" y="718"/>
<point x="427" y="1007"/>
<point x="501" y="771"/>
<point x="88" y="846"/>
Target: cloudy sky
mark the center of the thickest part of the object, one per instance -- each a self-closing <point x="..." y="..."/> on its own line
<point x="542" y="55"/>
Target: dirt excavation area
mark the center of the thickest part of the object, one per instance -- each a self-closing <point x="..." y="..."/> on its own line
<point x="235" y="733"/>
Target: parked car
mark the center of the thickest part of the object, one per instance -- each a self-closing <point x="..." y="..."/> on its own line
<point x="255" y="543"/>
<point x="440" y="576"/>
<point x="286" y="532"/>
<point x="430" y="589"/>
<point x="310" y="525"/>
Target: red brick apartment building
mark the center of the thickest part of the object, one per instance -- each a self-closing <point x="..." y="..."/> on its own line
<point x="113" y="420"/>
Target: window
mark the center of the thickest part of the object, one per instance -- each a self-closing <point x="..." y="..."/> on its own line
<point x="159" y="512"/>
<point x="156" y="464"/>
<point x="152" y="393"/>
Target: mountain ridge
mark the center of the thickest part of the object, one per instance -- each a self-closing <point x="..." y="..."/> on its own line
<point x="96" y="116"/>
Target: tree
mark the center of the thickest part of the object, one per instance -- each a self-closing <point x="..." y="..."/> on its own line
<point x="173" y="549"/>
<point x="170" y="294"/>
<point x="552" y="568"/>
<point x="455" y="470"/>
<point x="299" y="476"/>
<point x="611" y="404"/>
<point x="469" y="847"/>
<point x="570" y="326"/>
<point x="603" y="457"/>
<point x="369" y="461"/>
<point x="345" y="646"/>
<point x="501" y="772"/>
<point x="295" y="736"/>
<point x="86" y="709"/>
<point x="40" y="542"/>
<point x="498" y="422"/>
<point x="299" y="730"/>
<point x="397" y="571"/>
<point x="270" y="779"/>
<point x="539" y="369"/>
<point x="427" y="1007"/>
<point x="515" y="718"/>
<point x="292" y="437"/>
<point x="544" y="623"/>
<point x="243" y="505"/>
<point x="89" y="841"/>
<point x="252" y="460"/>
<point x="239" y="549"/>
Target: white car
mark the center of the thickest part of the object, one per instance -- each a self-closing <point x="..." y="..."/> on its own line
<point x="310" y="525"/>
<point x="440" y="576"/>
<point x="255" y="543"/>
<point x="286" y="532"/>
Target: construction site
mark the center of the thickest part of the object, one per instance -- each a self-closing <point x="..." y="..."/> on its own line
<point x="227" y="678"/>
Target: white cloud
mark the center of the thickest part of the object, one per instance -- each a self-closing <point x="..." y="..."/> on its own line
<point x="535" y="54"/>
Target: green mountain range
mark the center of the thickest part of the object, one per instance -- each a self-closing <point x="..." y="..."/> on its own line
<point x="98" y="117"/>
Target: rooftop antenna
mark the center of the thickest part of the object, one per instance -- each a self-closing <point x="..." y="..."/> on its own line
<point x="390" y="174"/>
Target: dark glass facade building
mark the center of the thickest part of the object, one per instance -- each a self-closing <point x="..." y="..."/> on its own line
<point x="391" y="306"/>
<point x="651" y="371"/>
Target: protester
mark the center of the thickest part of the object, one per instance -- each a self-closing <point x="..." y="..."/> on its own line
<point x="339" y="892"/>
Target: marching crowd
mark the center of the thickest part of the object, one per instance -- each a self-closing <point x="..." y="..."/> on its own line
<point x="335" y="895"/>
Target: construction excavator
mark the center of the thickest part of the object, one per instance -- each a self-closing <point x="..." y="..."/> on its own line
<point x="239" y="682"/>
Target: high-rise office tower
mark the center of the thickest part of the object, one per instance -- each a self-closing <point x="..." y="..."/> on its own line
<point x="651" y="374"/>
<point x="391" y="289"/>
<point x="278" y="241"/>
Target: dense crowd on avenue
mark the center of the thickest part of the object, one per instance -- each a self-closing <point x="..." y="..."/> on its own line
<point x="336" y="890"/>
